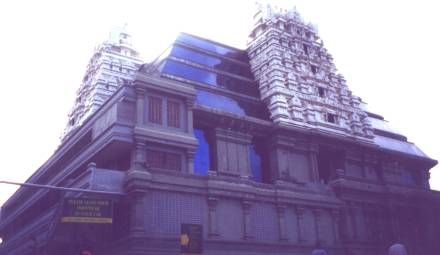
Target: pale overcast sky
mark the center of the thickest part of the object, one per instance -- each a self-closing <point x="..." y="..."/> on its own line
<point x="387" y="50"/>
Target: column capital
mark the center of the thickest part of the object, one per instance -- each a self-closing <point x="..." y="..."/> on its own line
<point x="281" y="208"/>
<point x="246" y="205"/>
<point x="300" y="210"/>
<point x="336" y="213"/>
<point x="189" y="102"/>
<point x="212" y="201"/>
<point x="140" y="90"/>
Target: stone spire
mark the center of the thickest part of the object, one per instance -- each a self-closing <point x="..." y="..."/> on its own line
<point x="297" y="78"/>
<point x="113" y="63"/>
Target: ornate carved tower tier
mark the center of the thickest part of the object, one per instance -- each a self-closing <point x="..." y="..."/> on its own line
<point x="297" y="78"/>
<point x="114" y="63"/>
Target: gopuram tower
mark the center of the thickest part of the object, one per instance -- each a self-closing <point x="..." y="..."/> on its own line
<point x="297" y="78"/>
<point x="113" y="63"/>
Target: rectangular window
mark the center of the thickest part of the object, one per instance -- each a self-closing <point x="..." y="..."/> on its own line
<point x="155" y="110"/>
<point x="314" y="69"/>
<point x="259" y="160"/>
<point x="164" y="160"/>
<point x="328" y="162"/>
<point x="172" y="161"/>
<point x="321" y="92"/>
<point x="332" y="118"/>
<point x="306" y="49"/>
<point x="173" y="114"/>
<point x="155" y="158"/>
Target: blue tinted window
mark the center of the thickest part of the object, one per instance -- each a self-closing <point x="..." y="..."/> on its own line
<point x="219" y="102"/>
<point x="210" y="78"/>
<point x="256" y="164"/>
<point x="211" y="61"/>
<point x="224" y="51"/>
<point x="231" y="105"/>
<point x="201" y="157"/>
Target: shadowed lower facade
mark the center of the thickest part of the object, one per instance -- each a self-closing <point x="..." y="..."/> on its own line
<point x="267" y="149"/>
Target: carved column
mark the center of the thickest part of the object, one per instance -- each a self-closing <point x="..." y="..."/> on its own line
<point x="281" y="210"/>
<point x="190" y="160"/>
<point x="317" y="216"/>
<point x="313" y="155"/>
<point x="140" y="105"/>
<point x="137" y="209"/>
<point x="299" y="218"/>
<point x="212" y="217"/>
<point x="369" y="223"/>
<point x="139" y="154"/>
<point x="336" y="217"/>
<point x="247" y="220"/>
<point x="91" y="167"/>
<point x="393" y="215"/>
<point x="352" y="213"/>
<point x="189" y="109"/>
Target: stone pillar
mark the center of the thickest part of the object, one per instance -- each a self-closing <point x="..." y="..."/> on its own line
<point x="313" y="155"/>
<point x="345" y="225"/>
<point x="136" y="184"/>
<point x="137" y="209"/>
<point x="140" y="105"/>
<point x="352" y="216"/>
<point x="335" y="217"/>
<point x="369" y="223"/>
<point x="393" y="215"/>
<point x="212" y="217"/>
<point x="281" y="210"/>
<point x="189" y="109"/>
<point x="190" y="160"/>
<point x="91" y="167"/>
<point x="139" y="155"/>
<point x="247" y="220"/>
<point x="299" y="218"/>
<point x="317" y="216"/>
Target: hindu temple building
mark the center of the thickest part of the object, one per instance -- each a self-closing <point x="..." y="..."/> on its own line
<point x="265" y="149"/>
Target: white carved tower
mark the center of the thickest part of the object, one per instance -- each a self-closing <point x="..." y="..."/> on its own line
<point x="113" y="64"/>
<point x="297" y="78"/>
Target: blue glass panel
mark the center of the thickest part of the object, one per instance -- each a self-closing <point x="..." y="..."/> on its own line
<point x="210" y="78"/>
<point x="256" y="168"/>
<point x="231" y="105"/>
<point x="224" y="51"/>
<point x="201" y="157"/>
<point x="211" y="61"/>
<point x="219" y="102"/>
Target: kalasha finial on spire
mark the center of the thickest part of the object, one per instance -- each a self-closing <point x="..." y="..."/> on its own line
<point x="120" y="36"/>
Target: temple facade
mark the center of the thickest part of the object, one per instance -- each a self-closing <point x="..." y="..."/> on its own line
<point x="265" y="149"/>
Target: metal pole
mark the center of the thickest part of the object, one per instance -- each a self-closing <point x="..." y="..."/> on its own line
<point x="33" y="185"/>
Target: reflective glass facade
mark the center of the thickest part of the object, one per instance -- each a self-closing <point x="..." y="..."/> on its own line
<point x="210" y="78"/>
<point x="189" y="48"/>
<point x="228" y="104"/>
<point x="215" y="48"/>
<point x="207" y="60"/>
<point x="201" y="156"/>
